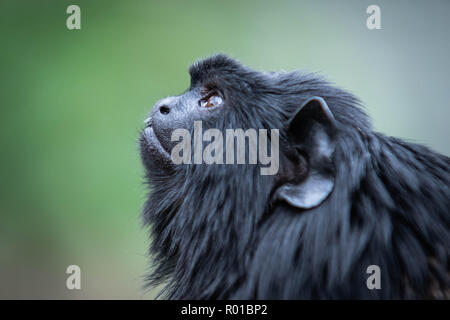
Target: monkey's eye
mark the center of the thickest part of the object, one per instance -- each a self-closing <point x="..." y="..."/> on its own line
<point x="211" y="100"/>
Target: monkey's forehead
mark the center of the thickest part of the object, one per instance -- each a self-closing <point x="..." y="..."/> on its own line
<point x="215" y="65"/>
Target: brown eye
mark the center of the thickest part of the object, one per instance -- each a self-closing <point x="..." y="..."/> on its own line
<point x="211" y="100"/>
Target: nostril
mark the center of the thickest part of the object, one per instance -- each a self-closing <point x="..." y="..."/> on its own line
<point x="164" y="109"/>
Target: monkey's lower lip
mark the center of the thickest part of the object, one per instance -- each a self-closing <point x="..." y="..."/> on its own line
<point x="153" y="144"/>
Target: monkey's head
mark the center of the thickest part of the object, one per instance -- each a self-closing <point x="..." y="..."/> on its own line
<point x="199" y="208"/>
<point x="226" y="95"/>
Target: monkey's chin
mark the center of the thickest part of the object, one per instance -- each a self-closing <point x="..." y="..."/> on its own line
<point x="153" y="154"/>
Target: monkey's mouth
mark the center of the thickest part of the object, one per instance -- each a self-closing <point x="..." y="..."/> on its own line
<point x="152" y="150"/>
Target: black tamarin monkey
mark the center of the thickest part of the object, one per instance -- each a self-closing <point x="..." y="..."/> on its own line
<point x="344" y="197"/>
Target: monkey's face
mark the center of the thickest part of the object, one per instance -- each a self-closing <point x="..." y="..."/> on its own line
<point x="175" y="113"/>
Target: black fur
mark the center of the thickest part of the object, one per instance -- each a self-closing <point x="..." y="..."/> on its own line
<point x="217" y="234"/>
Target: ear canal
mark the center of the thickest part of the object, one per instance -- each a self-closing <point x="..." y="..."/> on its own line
<point x="314" y="109"/>
<point x="312" y="130"/>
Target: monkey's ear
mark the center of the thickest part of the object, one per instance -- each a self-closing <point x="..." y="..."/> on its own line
<point x="312" y="131"/>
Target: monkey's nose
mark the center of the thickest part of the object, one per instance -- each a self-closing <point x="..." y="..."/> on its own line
<point x="164" y="109"/>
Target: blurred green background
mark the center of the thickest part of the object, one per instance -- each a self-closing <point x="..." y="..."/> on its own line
<point x="72" y="104"/>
